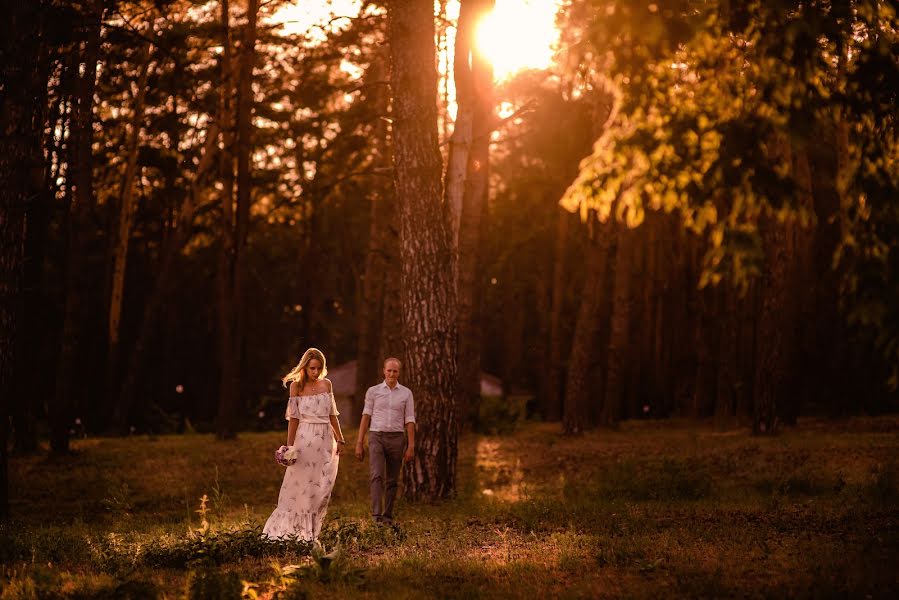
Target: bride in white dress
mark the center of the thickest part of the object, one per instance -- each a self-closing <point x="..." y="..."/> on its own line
<point x="314" y="430"/>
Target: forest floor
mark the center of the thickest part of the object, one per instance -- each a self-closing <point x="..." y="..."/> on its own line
<point x="653" y="509"/>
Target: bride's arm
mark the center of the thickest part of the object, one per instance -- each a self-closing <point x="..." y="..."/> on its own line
<point x="292" y="427"/>
<point x="293" y="424"/>
<point x="338" y="434"/>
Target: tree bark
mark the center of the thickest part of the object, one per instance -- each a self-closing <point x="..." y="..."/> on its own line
<point x="235" y="222"/>
<point x="22" y="105"/>
<point x="79" y="178"/>
<point x="578" y="406"/>
<point x="552" y="411"/>
<point x="771" y="347"/>
<point x="126" y="219"/>
<point x="379" y="287"/>
<point x="428" y="291"/>
<point x="160" y="289"/>
<point x="460" y="141"/>
<point x="471" y="226"/>
<point x="615" y="397"/>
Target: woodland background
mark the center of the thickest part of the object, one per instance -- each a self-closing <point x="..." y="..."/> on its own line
<point x="693" y="212"/>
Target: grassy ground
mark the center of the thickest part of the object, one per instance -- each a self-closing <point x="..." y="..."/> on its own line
<point x="655" y="509"/>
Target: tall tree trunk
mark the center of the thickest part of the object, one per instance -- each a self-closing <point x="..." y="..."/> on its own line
<point x="79" y="177"/>
<point x="578" y="406"/>
<point x="161" y="287"/>
<point x="428" y="293"/>
<point x="471" y="227"/>
<point x="616" y="374"/>
<point x="22" y="102"/>
<point x="126" y="219"/>
<point x="771" y="348"/>
<point x="727" y="373"/>
<point x="803" y="286"/>
<point x="553" y="409"/>
<point x="228" y="381"/>
<point x="235" y="221"/>
<point x="773" y="339"/>
<point x="460" y="141"/>
<point x="245" y="106"/>
<point x="373" y="323"/>
<point x="707" y="323"/>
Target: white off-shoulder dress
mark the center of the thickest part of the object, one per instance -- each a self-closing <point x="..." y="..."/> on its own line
<point x="307" y="485"/>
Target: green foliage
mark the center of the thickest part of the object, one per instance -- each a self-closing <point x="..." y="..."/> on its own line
<point x="713" y="102"/>
<point x="361" y="536"/>
<point x="884" y="483"/>
<point x="500" y="414"/>
<point x="667" y="481"/>
<point x="210" y="583"/>
<point x="217" y="547"/>
<point x="644" y="511"/>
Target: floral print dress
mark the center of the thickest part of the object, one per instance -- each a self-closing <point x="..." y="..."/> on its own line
<point x="307" y="485"/>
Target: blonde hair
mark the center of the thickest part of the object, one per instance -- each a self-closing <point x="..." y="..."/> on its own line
<point x="298" y="373"/>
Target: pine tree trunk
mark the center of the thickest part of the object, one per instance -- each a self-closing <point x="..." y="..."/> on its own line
<point x="161" y="287"/>
<point x="727" y="376"/>
<point x="553" y="409"/>
<point x="706" y="342"/>
<point x="245" y="107"/>
<point x="123" y="237"/>
<point x="471" y="227"/>
<point x="382" y="246"/>
<point x="428" y="291"/>
<point x="80" y="176"/>
<point x="803" y="285"/>
<point x="460" y="141"/>
<point x="22" y="103"/>
<point x="616" y="371"/>
<point x="235" y="222"/>
<point x="579" y="400"/>
<point x="771" y="348"/>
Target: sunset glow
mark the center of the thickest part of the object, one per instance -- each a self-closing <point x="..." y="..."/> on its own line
<point x="519" y="34"/>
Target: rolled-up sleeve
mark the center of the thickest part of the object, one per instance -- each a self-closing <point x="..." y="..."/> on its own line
<point x="369" y="403"/>
<point x="410" y="410"/>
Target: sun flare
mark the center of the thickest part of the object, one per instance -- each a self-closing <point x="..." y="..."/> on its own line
<point x="519" y="34"/>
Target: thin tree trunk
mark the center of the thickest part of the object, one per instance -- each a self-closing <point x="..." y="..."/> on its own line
<point x="245" y="106"/>
<point x="553" y="409"/>
<point x="22" y="103"/>
<point x="707" y="323"/>
<point x="578" y="406"/>
<point x="615" y="397"/>
<point x="428" y="291"/>
<point x="382" y="244"/>
<point x="235" y="221"/>
<point x="772" y="347"/>
<point x="727" y="375"/>
<point x="126" y="219"/>
<point x="460" y="141"/>
<point x="771" y="358"/>
<point x="79" y="177"/>
<point x="160" y="289"/>
<point x="801" y="299"/>
<point x="471" y="227"/>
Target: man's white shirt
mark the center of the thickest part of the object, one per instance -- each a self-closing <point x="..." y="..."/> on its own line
<point x="389" y="409"/>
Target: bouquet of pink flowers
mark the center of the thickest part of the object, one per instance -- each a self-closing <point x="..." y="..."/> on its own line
<point x="287" y="455"/>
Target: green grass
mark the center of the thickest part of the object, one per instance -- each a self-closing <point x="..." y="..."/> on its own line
<point x="654" y="509"/>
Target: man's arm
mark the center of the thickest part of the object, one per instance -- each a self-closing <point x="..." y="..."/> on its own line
<point x="409" y="420"/>
<point x="410" y="448"/>
<point x="360" y="440"/>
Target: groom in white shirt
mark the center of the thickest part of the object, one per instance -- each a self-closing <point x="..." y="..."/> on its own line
<point x="389" y="410"/>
